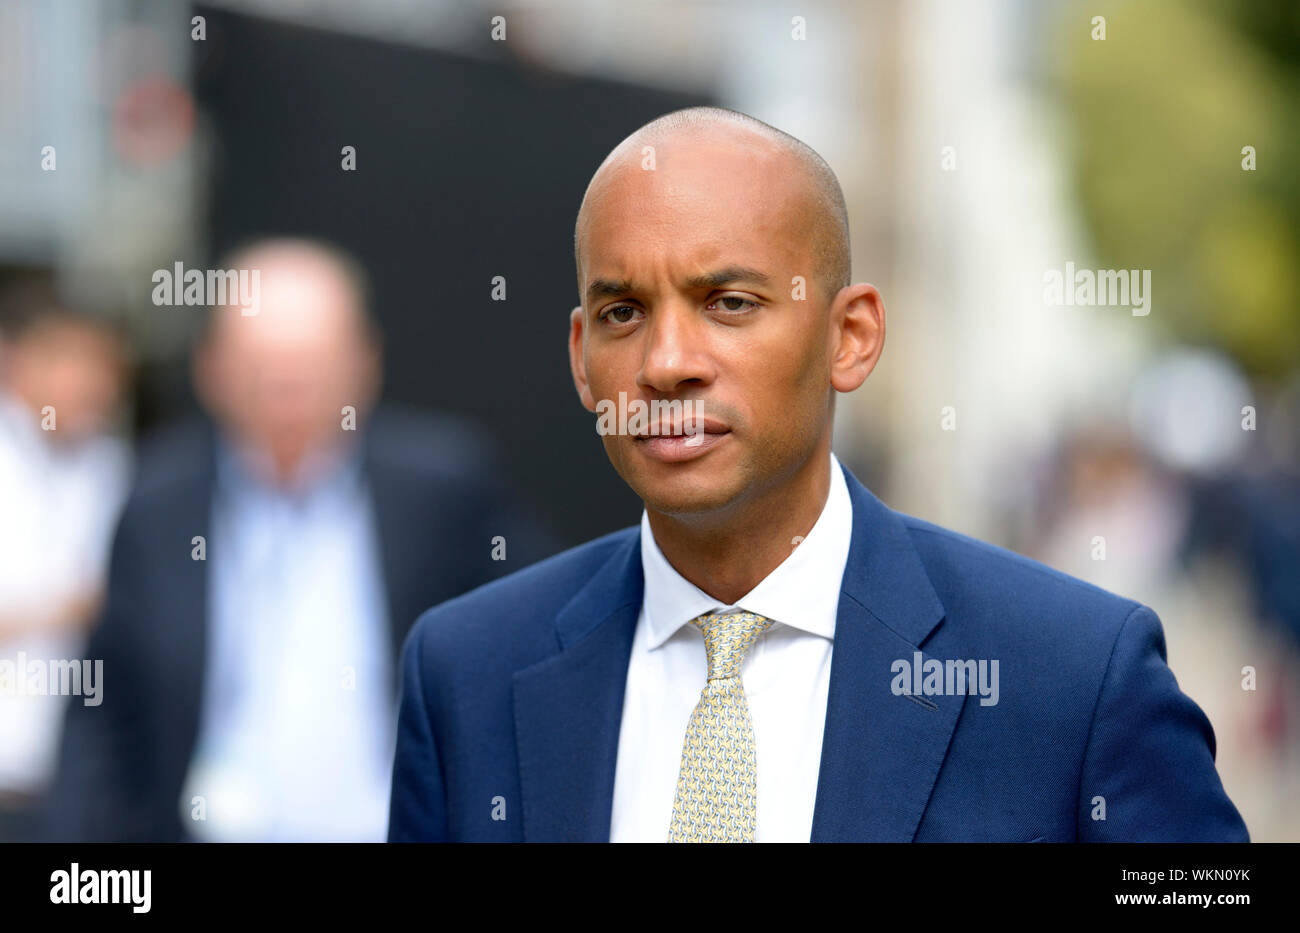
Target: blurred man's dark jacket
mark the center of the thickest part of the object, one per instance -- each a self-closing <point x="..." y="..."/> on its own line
<point x="438" y="501"/>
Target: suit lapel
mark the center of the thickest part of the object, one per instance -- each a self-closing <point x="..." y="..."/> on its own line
<point x="569" y="707"/>
<point x="881" y="753"/>
<point x="183" y="641"/>
<point x="396" y="525"/>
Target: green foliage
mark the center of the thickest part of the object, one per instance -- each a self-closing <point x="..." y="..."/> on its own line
<point x="1160" y="111"/>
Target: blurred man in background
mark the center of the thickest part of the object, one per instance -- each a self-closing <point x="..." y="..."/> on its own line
<point x="265" y="572"/>
<point x="62" y="479"/>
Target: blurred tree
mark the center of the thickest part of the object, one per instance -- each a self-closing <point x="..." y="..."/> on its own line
<point x="1161" y="110"/>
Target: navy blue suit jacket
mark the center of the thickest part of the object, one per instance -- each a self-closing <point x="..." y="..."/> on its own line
<point x="512" y="697"/>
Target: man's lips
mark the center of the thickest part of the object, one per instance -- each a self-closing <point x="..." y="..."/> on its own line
<point x="679" y="446"/>
<point x="678" y="429"/>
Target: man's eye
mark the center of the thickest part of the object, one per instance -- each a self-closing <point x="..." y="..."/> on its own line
<point x="614" y="312"/>
<point x="733" y="303"/>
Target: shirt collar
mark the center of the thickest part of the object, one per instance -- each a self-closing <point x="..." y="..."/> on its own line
<point x="802" y="592"/>
<point x="242" y="470"/>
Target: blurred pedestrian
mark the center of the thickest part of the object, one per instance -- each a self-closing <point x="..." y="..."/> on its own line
<point x="63" y="474"/>
<point x="267" y="568"/>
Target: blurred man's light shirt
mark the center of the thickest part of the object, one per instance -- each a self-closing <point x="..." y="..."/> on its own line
<point x="786" y="677"/>
<point x="297" y="729"/>
<point x="59" y="504"/>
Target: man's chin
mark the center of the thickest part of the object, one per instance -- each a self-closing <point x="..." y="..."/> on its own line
<point x="684" y="494"/>
<point x="697" y="486"/>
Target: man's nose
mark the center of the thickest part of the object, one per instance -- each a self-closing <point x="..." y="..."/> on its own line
<point x="676" y="351"/>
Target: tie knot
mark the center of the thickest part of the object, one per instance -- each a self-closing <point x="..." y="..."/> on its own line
<point x="728" y="638"/>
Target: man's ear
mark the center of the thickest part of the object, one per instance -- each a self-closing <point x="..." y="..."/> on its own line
<point x="576" y="365"/>
<point x="857" y="335"/>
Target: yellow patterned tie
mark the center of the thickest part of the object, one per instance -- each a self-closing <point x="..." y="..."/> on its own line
<point x="715" y="799"/>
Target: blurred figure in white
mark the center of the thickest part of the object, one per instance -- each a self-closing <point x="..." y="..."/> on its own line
<point x="63" y="476"/>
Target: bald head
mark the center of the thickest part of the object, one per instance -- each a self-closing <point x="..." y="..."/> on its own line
<point x="298" y="276"/>
<point x="812" y="195"/>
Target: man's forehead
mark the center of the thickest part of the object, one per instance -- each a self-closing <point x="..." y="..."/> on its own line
<point x="689" y="217"/>
<point x="685" y="244"/>
<point x="657" y="199"/>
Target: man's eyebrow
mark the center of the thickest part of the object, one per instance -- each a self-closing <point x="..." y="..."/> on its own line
<point x="730" y="275"/>
<point x="609" y="288"/>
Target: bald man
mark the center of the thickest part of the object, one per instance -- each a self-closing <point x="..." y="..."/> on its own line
<point x="773" y="654"/>
<point x="269" y="563"/>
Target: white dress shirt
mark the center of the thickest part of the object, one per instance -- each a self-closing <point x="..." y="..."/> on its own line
<point x="786" y="677"/>
<point x="59" y="504"/>
<point x="296" y="737"/>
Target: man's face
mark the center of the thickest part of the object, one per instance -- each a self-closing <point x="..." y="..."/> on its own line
<point x="76" y="369"/>
<point x="280" y="379"/>
<point x="756" y="358"/>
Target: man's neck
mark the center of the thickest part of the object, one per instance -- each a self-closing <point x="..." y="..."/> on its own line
<point x="728" y="559"/>
<point x="295" y="471"/>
